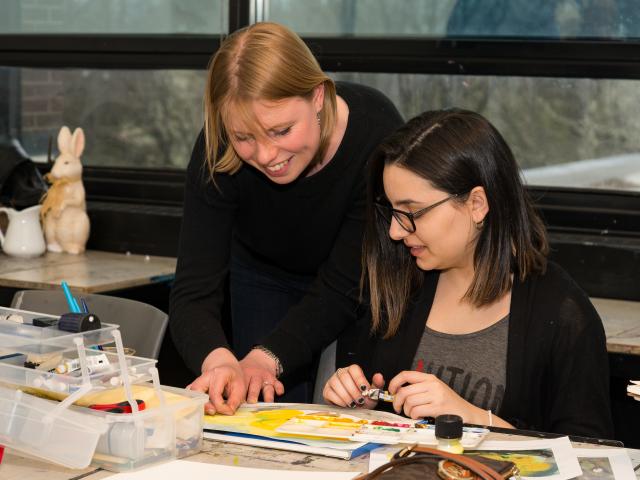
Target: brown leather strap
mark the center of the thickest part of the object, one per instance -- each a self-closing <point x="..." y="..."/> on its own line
<point x="478" y="468"/>
<point x="483" y="471"/>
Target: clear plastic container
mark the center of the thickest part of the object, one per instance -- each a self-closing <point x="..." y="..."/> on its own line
<point x="156" y="434"/>
<point x="101" y="375"/>
<point x="36" y="427"/>
<point x="25" y="338"/>
<point x="169" y="426"/>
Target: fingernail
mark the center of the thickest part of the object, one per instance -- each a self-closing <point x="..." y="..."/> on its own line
<point x="361" y="401"/>
<point x="363" y="387"/>
<point x="352" y="405"/>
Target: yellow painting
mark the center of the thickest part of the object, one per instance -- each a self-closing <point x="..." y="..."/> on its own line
<point x="264" y="420"/>
<point x="531" y="463"/>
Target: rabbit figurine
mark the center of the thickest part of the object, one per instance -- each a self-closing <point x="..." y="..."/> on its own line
<point x="64" y="216"/>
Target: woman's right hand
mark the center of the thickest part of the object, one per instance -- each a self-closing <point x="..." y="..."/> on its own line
<point x="223" y="380"/>
<point x="345" y="388"/>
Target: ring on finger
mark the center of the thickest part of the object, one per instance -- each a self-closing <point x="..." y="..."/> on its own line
<point x="266" y="382"/>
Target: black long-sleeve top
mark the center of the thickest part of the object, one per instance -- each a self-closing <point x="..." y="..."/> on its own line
<point x="557" y="363"/>
<point x="312" y="226"/>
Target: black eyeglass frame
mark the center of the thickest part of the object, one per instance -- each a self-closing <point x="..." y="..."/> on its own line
<point x="412" y="216"/>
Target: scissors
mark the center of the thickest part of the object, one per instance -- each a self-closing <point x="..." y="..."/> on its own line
<point x="120" y="407"/>
<point x="378" y="394"/>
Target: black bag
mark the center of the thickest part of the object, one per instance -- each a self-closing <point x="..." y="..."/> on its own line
<point x="21" y="184"/>
<point x="420" y="463"/>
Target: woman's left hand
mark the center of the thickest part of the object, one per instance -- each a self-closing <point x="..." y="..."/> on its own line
<point x="420" y="395"/>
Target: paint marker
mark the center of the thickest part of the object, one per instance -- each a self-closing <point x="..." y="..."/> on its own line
<point x="71" y="302"/>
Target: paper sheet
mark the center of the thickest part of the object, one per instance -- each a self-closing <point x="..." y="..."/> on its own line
<point x="207" y="471"/>
<point x="549" y="458"/>
<point x="605" y="464"/>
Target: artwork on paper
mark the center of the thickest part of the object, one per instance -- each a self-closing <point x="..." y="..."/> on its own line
<point x="537" y="463"/>
<point x="549" y="458"/>
<point x="595" y="468"/>
<point x="335" y="425"/>
<point x="605" y="464"/>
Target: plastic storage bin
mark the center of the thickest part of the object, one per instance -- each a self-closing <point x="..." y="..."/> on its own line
<point x="12" y="371"/>
<point x="25" y="338"/>
<point x="152" y="435"/>
<point x="170" y="425"/>
<point x="34" y="426"/>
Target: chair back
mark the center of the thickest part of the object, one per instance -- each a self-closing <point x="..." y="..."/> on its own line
<point x="326" y="368"/>
<point x="142" y="326"/>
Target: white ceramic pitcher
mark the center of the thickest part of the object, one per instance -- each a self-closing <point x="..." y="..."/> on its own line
<point x="24" y="237"/>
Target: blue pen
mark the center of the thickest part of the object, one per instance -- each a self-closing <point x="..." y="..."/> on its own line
<point x="73" y="305"/>
<point x="85" y="308"/>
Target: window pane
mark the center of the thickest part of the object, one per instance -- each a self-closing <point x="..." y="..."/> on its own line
<point x="484" y="18"/>
<point x="114" y="16"/>
<point x="566" y="132"/>
<point x="131" y="118"/>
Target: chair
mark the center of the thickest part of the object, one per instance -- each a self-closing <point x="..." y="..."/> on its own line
<point x="326" y="368"/>
<point x="142" y="325"/>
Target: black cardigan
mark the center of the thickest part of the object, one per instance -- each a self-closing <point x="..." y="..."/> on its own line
<point x="557" y="365"/>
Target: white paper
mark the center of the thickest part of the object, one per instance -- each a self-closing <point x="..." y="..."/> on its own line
<point x="619" y="464"/>
<point x="381" y="455"/>
<point x="207" y="471"/>
<point x="634" y="455"/>
<point x="565" y="458"/>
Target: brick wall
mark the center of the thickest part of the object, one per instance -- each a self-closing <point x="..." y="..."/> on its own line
<point x="41" y="100"/>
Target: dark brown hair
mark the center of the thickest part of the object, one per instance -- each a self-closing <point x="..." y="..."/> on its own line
<point x="455" y="150"/>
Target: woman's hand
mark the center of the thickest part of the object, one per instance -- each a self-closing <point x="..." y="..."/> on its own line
<point x="259" y="371"/>
<point x="223" y="379"/>
<point x="425" y="395"/>
<point x="345" y="388"/>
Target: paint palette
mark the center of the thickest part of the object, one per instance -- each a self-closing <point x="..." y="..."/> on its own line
<point x="359" y="430"/>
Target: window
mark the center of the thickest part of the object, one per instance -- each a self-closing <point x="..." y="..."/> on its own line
<point x="113" y="16"/>
<point x="461" y="18"/>
<point x="131" y="118"/>
<point x="570" y="132"/>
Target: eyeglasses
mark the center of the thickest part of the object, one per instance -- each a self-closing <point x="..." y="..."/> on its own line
<point x="407" y="220"/>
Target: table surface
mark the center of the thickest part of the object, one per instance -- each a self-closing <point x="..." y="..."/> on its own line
<point x="90" y="272"/>
<point x="17" y="467"/>
<point x="621" y="320"/>
<point x="96" y="271"/>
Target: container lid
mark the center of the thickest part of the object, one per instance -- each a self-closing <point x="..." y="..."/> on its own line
<point x="448" y="426"/>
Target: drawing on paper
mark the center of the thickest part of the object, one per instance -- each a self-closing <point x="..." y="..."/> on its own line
<point x="333" y="426"/>
<point x="595" y="468"/>
<point x="531" y="463"/>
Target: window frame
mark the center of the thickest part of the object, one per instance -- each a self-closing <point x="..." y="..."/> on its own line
<point x="568" y="211"/>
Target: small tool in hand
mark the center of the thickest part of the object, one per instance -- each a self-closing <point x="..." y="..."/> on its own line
<point x="378" y="394"/>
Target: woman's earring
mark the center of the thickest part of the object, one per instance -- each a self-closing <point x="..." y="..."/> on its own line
<point x="318" y="117"/>
<point x="480" y="224"/>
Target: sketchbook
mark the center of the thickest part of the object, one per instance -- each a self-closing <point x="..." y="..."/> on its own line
<point x="344" y="452"/>
<point x="332" y="431"/>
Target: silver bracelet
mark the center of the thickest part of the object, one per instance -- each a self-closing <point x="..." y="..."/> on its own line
<point x="273" y="356"/>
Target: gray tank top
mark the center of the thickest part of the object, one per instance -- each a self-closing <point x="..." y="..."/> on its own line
<point x="474" y="365"/>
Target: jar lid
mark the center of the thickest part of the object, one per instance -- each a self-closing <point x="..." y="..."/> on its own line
<point x="448" y="426"/>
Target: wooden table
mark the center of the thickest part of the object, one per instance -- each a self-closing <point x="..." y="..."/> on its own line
<point x="95" y="272"/>
<point x="90" y="272"/>
<point x="621" y="320"/>
<point x="17" y="467"/>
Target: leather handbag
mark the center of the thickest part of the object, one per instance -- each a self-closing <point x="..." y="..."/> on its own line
<point x="423" y="463"/>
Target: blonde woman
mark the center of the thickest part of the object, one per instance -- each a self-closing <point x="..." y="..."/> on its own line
<point x="274" y="200"/>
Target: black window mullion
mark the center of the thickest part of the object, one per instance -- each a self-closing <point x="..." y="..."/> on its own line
<point x="239" y="14"/>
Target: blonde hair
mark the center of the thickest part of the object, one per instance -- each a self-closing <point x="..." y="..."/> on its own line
<point x="265" y="61"/>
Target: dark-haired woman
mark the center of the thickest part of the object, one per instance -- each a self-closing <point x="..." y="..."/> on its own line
<point x="467" y="316"/>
